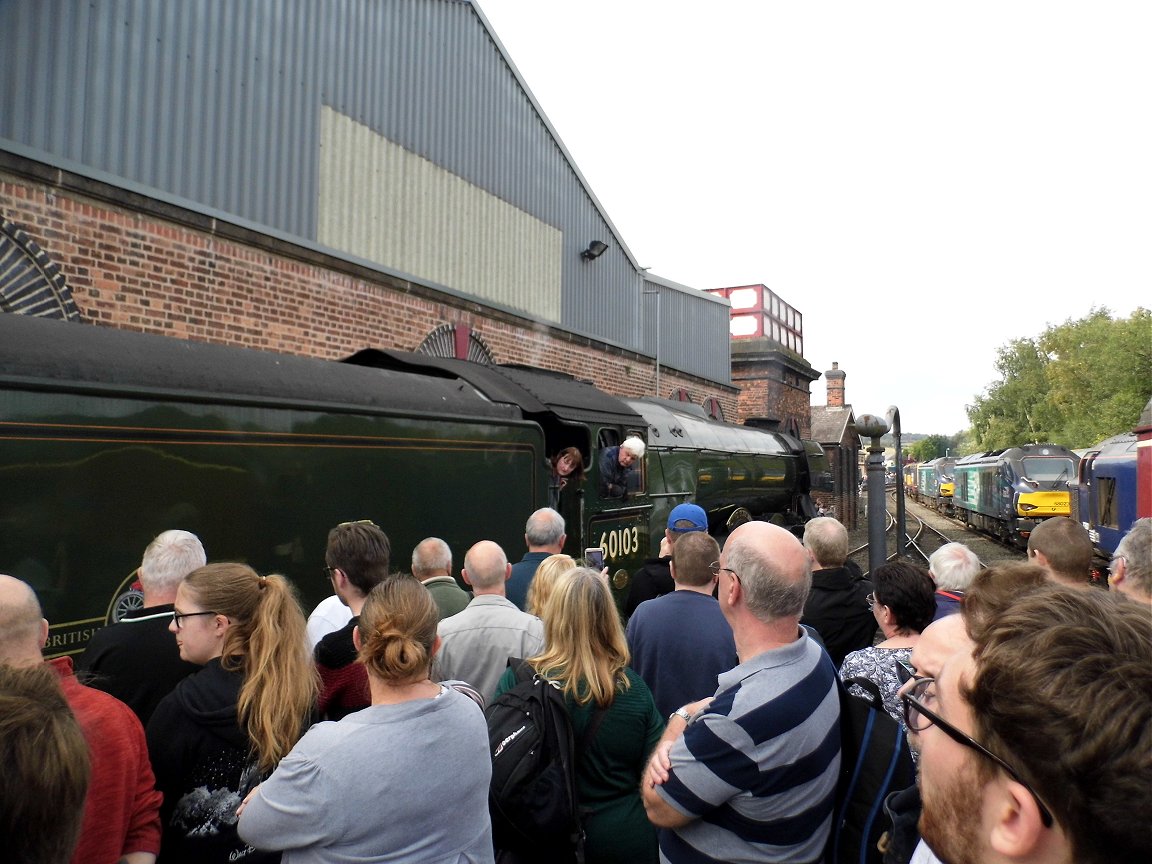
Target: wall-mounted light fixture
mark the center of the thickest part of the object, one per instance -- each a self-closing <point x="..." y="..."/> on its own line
<point x="595" y="249"/>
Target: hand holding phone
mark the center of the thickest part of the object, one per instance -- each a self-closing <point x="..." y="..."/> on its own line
<point x="595" y="557"/>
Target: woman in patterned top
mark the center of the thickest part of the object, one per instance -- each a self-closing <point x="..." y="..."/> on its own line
<point x="903" y="602"/>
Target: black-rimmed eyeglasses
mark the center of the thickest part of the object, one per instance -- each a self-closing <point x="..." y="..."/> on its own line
<point x="917" y="717"/>
<point x="178" y="617"/>
<point x="329" y="572"/>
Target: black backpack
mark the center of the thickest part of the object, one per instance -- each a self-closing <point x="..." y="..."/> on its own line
<point x="533" y="800"/>
<point x="874" y="761"/>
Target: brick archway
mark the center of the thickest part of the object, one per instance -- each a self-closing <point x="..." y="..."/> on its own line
<point x="30" y="282"/>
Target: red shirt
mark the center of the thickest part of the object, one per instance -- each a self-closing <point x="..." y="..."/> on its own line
<point x="122" y="811"/>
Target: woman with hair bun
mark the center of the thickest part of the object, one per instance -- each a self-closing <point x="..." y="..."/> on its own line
<point x="374" y="785"/>
<point x="226" y="726"/>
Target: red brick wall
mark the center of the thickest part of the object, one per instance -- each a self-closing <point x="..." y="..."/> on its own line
<point x="191" y="277"/>
<point x="763" y="393"/>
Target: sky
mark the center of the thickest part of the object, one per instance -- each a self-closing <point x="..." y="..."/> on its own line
<point x="925" y="182"/>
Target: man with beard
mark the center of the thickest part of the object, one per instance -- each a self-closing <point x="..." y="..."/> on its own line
<point x="1036" y="745"/>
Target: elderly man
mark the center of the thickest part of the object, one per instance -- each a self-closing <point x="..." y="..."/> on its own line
<point x="112" y="659"/>
<point x="544" y="536"/>
<point x="750" y="774"/>
<point x="953" y="567"/>
<point x="432" y="565"/>
<point x="616" y="465"/>
<point x="837" y="607"/>
<point x="122" y="809"/>
<point x="475" y="644"/>
<point x="1062" y="547"/>
<point x="1034" y="745"/>
<point x="1130" y="571"/>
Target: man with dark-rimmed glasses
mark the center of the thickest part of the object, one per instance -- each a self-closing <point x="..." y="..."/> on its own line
<point x="1036" y="745"/>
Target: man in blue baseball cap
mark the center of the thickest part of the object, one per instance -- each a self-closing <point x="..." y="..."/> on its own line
<point x="654" y="579"/>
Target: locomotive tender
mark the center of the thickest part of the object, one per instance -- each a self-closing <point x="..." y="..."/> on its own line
<point x="1006" y="493"/>
<point x="109" y="437"/>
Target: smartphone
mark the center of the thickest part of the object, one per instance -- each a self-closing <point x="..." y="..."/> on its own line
<point x="595" y="557"/>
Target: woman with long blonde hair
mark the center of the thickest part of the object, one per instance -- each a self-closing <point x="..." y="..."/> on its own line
<point x="225" y="727"/>
<point x="586" y="655"/>
<point x="374" y="785"/>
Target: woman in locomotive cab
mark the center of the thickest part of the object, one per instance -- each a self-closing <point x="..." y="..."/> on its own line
<point x="567" y="472"/>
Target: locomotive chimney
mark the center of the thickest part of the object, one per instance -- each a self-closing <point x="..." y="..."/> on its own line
<point x="835" y="380"/>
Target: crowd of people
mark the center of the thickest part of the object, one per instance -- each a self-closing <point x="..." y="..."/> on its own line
<point x="219" y="724"/>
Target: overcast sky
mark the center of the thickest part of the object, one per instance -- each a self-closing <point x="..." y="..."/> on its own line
<point x="923" y="181"/>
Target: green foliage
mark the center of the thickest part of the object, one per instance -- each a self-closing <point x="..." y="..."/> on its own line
<point x="1076" y="384"/>
<point x="930" y="447"/>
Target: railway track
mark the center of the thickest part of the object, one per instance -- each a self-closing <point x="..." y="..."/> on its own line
<point x="926" y="531"/>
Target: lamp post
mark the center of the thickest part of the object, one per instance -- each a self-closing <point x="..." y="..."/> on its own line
<point x="871" y="426"/>
<point x="901" y="522"/>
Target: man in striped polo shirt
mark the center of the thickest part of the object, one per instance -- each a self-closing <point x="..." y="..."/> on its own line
<point x="750" y="773"/>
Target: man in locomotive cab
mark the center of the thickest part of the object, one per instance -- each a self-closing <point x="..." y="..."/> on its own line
<point x="616" y="466"/>
<point x="1062" y="547"/>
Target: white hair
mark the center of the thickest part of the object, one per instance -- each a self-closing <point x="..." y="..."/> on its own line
<point x="169" y="558"/>
<point x="953" y="566"/>
<point x="634" y="446"/>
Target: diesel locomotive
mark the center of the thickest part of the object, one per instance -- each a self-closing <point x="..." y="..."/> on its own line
<point x="1113" y="488"/>
<point x="934" y="484"/>
<point x="109" y="437"/>
<point x="1006" y="493"/>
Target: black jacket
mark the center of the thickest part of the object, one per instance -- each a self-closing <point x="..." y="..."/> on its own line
<point x="837" y="609"/>
<point x="136" y="660"/>
<point x="204" y="765"/>
<point x="652" y="580"/>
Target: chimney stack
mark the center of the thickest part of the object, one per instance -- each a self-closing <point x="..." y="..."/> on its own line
<point x="835" y="380"/>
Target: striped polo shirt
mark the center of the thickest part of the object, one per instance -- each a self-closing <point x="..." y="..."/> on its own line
<point x="758" y="769"/>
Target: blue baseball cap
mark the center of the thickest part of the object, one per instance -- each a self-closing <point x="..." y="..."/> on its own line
<point x="687" y="517"/>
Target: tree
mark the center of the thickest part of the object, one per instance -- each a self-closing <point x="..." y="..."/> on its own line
<point x="1011" y="411"/>
<point x="930" y="447"/>
<point x="1078" y="383"/>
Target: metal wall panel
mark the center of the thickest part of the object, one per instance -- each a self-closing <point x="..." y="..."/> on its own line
<point x="690" y="322"/>
<point x="219" y="102"/>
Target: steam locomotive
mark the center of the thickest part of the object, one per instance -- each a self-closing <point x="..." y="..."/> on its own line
<point x="109" y="437"/>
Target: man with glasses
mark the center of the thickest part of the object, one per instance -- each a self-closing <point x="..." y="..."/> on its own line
<point x="750" y="774"/>
<point x="1036" y="745"/>
<point x="356" y="561"/>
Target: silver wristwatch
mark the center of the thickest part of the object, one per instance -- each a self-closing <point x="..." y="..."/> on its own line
<point x="681" y="712"/>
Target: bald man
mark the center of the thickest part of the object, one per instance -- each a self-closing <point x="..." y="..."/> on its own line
<point x="475" y="644"/>
<point x="122" y="809"/>
<point x="750" y="774"/>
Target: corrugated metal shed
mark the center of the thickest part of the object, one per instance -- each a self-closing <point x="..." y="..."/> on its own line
<point x="395" y="132"/>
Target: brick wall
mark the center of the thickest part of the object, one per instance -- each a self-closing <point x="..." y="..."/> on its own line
<point x="137" y="264"/>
